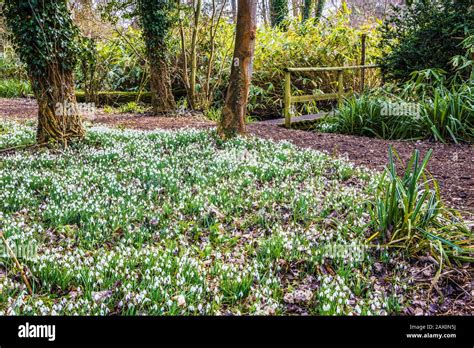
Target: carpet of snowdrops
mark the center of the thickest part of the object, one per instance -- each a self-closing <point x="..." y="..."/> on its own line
<point x="180" y="223"/>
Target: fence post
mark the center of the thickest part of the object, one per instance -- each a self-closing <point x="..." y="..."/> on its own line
<point x="287" y="99"/>
<point x="340" y="87"/>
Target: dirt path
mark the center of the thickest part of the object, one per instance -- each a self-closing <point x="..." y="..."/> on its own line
<point x="451" y="165"/>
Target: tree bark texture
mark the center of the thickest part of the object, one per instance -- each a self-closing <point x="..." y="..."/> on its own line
<point x="155" y="18"/>
<point x="162" y="98"/>
<point x="235" y="109"/>
<point x="58" y="115"/>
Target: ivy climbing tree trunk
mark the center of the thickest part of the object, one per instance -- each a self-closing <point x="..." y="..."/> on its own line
<point x="155" y="19"/>
<point x="307" y="5"/>
<point x="46" y="41"/>
<point x="235" y="109"/>
<point x="278" y="11"/>
<point x="320" y="9"/>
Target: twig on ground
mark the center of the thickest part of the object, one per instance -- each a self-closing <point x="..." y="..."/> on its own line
<point x="18" y="264"/>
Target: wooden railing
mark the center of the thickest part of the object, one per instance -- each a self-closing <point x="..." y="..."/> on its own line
<point x="289" y="99"/>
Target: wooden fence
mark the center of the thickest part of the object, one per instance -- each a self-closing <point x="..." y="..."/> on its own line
<point x="289" y="99"/>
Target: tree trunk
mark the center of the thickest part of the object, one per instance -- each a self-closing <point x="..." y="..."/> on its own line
<point x="197" y="7"/>
<point x="308" y="4"/>
<point x="265" y="12"/>
<point x="295" y="8"/>
<point x="155" y="18"/>
<point x="235" y="109"/>
<point x="162" y="98"/>
<point x="58" y="114"/>
<point x="50" y="57"/>
<point x="278" y="11"/>
<point x="184" y="54"/>
<point x="233" y="4"/>
<point x="320" y="9"/>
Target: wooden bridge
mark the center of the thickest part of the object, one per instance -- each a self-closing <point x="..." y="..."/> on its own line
<point x="290" y="99"/>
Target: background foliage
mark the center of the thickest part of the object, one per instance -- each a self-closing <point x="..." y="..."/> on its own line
<point x="426" y="34"/>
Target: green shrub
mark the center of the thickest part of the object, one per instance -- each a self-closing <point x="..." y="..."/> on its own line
<point x="420" y="108"/>
<point x="12" y="68"/>
<point x="13" y="88"/>
<point x="118" y="64"/>
<point x="327" y="43"/>
<point x="132" y="107"/>
<point x="332" y="42"/>
<point x="214" y="114"/>
<point x="425" y="34"/>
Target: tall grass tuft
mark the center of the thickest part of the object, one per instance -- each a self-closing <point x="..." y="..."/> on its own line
<point x="449" y="115"/>
<point x="409" y="213"/>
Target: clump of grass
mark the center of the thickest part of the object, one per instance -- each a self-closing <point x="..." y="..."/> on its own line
<point x="214" y="114"/>
<point x="364" y="115"/>
<point x="449" y="115"/>
<point x="409" y="213"/>
<point x="132" y="107"/>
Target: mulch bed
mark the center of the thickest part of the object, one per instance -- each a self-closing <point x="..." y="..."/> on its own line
<point x="451" y="165"/>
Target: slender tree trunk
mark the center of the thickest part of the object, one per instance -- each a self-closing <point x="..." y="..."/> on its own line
<point x="184" y="54"/>
<point x="235" y="109"/>
<point x="215" y="20"/>
<point x="233" y="4"/>
<point x="197" y="6"/>
<point x="265" y="12"/>
<point x="295" y="8"/>
<point x="320" y="9"/>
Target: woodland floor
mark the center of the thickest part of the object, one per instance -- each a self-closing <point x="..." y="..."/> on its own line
<point x="451" y="165"/>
